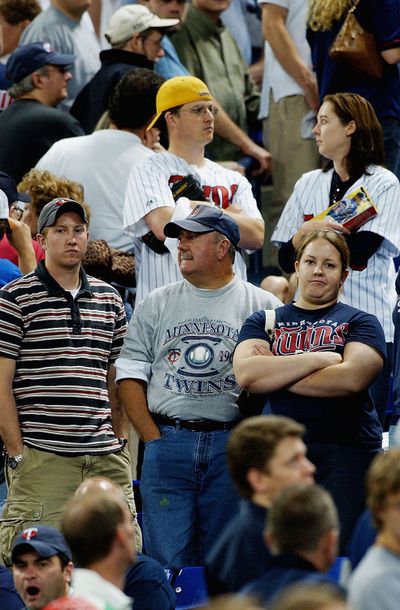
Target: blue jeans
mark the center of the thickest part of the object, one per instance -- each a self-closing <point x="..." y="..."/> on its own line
<point x="341" y="469"/>
<point x="187" y="495"/>
<point x="391" y="143"/>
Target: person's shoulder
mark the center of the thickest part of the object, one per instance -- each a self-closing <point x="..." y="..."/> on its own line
<point x="266" y="299"/>
<point x="354" y="314"/>
<point x="21" y="285"/>
<point x="378" y="171"/>
<point x="154" y="161"/>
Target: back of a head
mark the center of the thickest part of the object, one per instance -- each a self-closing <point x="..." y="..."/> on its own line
<point x="89" y="524"/>
<point x="15" y="11"/>
<point x="299" y="517"/>
<point x="252" y="444"/>
<point x="313" y="596"/>
<point x="133" y="101"/>
<point x="383" y="479"/>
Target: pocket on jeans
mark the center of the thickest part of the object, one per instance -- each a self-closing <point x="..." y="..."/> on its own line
<point x="17" y="516"/>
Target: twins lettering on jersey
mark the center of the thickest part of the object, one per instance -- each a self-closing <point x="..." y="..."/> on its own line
<point x="200" y="355"/>
<point x="289" y="340"/>
<point x="220" y="195"/>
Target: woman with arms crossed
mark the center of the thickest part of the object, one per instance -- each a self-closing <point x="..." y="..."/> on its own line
<point x="316" y="368"/>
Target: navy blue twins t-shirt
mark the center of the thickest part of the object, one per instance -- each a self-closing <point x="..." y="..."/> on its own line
<point x="344" y="419"/>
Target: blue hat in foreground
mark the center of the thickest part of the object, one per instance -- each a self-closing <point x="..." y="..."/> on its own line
<point x="55" y="208"/>
<point x="27" y="59"/>
<point x="45" y="540"/>
<point x="205" y="218"/>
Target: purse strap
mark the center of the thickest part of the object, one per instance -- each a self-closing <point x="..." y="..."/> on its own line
<point x="353" y="8"/>
<point x="270" y="317"/>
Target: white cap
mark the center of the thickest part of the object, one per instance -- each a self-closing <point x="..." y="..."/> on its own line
<point x="4" y="210"/>
<point x="133" y="19"/>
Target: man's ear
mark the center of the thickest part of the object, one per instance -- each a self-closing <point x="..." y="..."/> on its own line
<point x="37" y="80"/>
<point x="69" y="568"/>
<point x="257" y="480"/>
<point x="40" y="238"/>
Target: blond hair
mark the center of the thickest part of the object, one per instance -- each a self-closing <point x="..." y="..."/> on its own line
<point x="43" y="186"/>
<point x="322" y="14"/>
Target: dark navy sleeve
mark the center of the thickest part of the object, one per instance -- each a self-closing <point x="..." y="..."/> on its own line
<point x="365" y="328"/>
<point x="147" y="583"/>
<point x="9" y="598"/>
<point x="385" y="24"/>
<point x="254" y="327"/>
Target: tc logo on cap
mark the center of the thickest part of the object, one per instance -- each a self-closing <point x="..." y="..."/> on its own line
<point x="30" y="533"/>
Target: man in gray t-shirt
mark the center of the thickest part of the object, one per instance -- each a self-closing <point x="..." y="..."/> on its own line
<point x="178" y="388"/>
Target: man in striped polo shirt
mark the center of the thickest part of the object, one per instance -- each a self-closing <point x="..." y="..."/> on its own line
<point x="60" y="333"/>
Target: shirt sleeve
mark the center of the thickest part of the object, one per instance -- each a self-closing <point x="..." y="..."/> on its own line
<point x="11" y="326"/>
<point x="137" y="353"/>
<point x="147" y="190"/>
<point x="253" y="327"/>
<point x="385" y="24"/>
<point x="365" y="328"/>
<point x="119" y="329"/>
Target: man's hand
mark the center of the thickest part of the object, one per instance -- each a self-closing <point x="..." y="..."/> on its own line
<point x="311" y="92"/>
<point x="261" y="155"/>
<point x="20" y="238"/>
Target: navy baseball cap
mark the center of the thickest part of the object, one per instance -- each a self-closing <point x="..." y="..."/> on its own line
<point x="27" y="59"/>
<point x="205" y="218"/>
<point x="9" y="187"/>
<point x="55" y="208"/>
<point x="45" y="540"/>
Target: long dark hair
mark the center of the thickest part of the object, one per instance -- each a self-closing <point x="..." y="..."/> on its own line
<point x="367" y="140"/>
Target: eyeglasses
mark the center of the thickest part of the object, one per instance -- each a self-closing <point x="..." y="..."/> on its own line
<point x="200" y="111"/>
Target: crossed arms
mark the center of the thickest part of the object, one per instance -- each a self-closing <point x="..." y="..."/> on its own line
<point x="317" y="374"/>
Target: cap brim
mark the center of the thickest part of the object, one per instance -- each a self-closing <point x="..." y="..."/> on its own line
<point x="172" y="229"/>
<point x="153" y="121"/>
<point x="43" y="549"/>
<point x="62" y="60"/>
<point x="160" y="24"/>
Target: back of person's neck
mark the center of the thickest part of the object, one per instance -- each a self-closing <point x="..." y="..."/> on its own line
<point x="111" y="571"/>
<point x="262" y="500"/>
<point x="75" y="15"/>
<point x="37" y="95"/>
<point x="387" y="542"/>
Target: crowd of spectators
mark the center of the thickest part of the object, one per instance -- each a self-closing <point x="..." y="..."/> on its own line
<point x="148" y="150"/>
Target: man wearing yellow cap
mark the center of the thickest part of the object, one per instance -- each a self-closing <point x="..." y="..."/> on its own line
<point x="185" y="109"/>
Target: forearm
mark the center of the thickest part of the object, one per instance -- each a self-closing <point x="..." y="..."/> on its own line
<point x="10" y="430"/>
<point x="334" y="381"/>
<point x="132" y="396"/>
<point x="260" y="374"/>
<point x="251" y="230"/>
<point x="119" y="418"/>
<point x="27" y="260"/>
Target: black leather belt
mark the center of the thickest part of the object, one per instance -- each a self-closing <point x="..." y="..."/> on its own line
<point x="194" y="425"/>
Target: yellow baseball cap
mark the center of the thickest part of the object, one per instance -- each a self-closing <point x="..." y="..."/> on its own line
<point x="178" y="91"/>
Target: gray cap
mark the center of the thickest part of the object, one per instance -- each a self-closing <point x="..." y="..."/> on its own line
<point x="55" y="208"/>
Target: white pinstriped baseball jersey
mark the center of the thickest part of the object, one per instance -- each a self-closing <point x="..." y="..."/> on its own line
<point x="149" y="188"/>
<point x="373" y="289"/>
